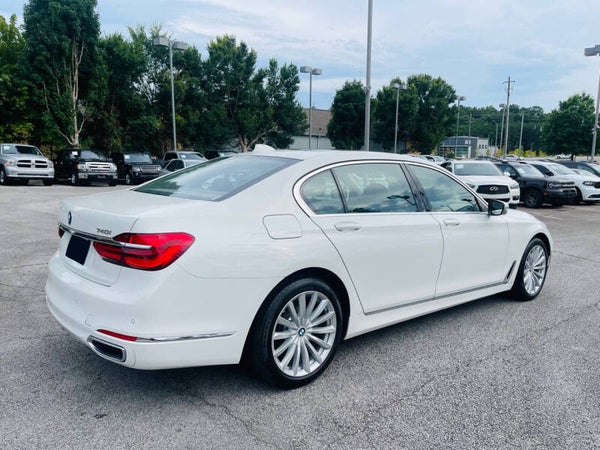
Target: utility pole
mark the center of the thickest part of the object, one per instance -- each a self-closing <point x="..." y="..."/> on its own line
<point x="368" y="87"/>
<point x="508" y="87"/>
<point x="521" y="135"/>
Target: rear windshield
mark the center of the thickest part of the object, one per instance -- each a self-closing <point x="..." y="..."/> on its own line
<point x="217" y="179"/>
<point x="190" y="156"/>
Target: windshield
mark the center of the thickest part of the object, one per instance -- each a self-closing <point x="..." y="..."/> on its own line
<point x="476" y="168"/>
<point x="137" y="158"/>
<point x="21" y="150"/>
<point x="191" y="156"/>
<point x="560" y="169"/>
<point x="528" y="171"/>
<point x="217" y="179"/>
<point x="89" y="154"/>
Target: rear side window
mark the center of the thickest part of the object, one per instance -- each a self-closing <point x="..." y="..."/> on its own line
<point x="217" y="179"/>
<point x="321" y="194"/>
<point x="375" y="188"/>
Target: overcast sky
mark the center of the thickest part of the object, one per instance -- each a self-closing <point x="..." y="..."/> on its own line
<point x="473" y="44"/>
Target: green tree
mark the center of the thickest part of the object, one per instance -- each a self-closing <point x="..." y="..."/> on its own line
<point x="346" y="129"/>
<point x="568" y="129"/>
<point x="260" y="106"/>
<point x="434" y="114"/>
<point x="14" y="92"/>
<point x="61" y="38"/>
<point x="384" y="115"/>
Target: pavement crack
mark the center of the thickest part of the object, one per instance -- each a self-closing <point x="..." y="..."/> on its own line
<point x="190" y="394"/>
<point x="23" y="266"/>
<point x="577" y="257"/>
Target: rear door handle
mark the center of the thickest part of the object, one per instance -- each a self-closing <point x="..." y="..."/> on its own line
<point x="347" y="226"/>
<point x="451" y="222"/>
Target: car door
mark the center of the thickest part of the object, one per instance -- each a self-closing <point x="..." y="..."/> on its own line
<point x="475" y="243"/>
<point x="391" y="248"/>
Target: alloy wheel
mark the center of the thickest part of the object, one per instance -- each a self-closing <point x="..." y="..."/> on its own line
<point x="534" y="270"/>
<point x="304" y="334"/>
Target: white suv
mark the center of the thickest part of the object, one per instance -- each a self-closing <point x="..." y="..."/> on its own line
<point x="487" y="180"/>
<point x="587" y="185"/>
<point x="19" y="162"/>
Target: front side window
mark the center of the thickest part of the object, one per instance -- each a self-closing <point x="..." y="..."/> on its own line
<point x="321" y="194"/>
<point x="444" y="193"/>
<point x="374" y="188"/>
<point x="217" y="179"/>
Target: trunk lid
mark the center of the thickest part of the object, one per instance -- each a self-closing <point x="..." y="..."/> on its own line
<point x="102" y="217"/>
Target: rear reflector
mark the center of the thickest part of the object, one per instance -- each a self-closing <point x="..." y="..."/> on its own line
<point x="145" y="251"/>
<point x="118" y="335"/>
<point x="60" y="232"/>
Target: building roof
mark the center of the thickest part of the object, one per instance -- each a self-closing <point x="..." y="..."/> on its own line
<point x="320" y="120"/>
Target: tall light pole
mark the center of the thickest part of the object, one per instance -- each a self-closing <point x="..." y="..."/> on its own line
<point x="503" y="106"/>
<point x="593" y="51"/>
<point x="521" y="135"/>
<point x="177" y="45"/>
<point x="459" y="98"/>
<point x="397" y="86"/>
<point x="368" y="87"/>
<point x="311" y="71"/>
<point x="496" y="138"/>
<point x="508" y="87"/>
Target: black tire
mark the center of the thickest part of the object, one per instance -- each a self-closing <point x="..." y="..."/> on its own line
<point x="579" y="198"/>
<point x="74" y="180"/>
<point x="48" y="182"/>
<point x="532" y="198"/>
<point x="262" y="347"/>
<point x="512" y="206"/>
<point x="4" y="180"/>
<point x="519" y="289"/>
<point x="128" y="179"/>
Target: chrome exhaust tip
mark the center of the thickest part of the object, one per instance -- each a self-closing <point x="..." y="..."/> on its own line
<point x="107" y="350"/>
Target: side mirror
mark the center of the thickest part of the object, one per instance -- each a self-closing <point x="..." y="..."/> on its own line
<point x="496" y="208"/>
<point x="508" y="174"/>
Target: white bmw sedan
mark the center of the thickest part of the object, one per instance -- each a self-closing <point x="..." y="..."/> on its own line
<point x="277" y="256"/>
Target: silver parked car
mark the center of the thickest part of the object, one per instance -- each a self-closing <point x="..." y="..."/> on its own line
<point x="19" y="162"/>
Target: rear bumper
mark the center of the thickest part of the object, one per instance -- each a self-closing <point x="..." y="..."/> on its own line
<point x="180" y="321"/>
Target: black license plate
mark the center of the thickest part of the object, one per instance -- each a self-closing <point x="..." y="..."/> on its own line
<point x="100" y="176"/>
<point x="77" y="249"/>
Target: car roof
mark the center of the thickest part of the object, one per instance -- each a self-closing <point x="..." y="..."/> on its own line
<point x="332" y="156"/>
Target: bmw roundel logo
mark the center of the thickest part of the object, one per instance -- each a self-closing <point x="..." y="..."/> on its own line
<point x="69" y="218"/>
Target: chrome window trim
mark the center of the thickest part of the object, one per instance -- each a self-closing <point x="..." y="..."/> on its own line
<point x="105" y="240"/>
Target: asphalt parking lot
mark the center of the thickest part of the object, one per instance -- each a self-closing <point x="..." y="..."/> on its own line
<point x="489" y="374"/>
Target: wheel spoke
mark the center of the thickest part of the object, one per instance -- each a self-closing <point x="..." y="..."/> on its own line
<point x="289" y="355"/>
<point x="319" y="310"/>
<point x="283" y="347"/>
<point x="292" y="309"/>
<point x="305" y="357"/>
<point x="296" y="361"/>
<point x="314" y="352"/>
<point x="284" y="334"/>
<point x="302" y="309"/>
<point x="322" y="319"/>
<point x="311" y="305"/>
<point x="322" y="330"/>
<point x="319" y="341"/>
<point x="286" y="323"/>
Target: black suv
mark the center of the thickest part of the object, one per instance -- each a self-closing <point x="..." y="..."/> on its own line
<point x="212" y="154"/>
<point x="134" y="168"/>
<point x="84" y="166"/>
<point x="537" y="189"/>
<point x="592" y="168"/>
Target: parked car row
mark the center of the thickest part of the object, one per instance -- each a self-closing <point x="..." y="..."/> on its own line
<point x="20" y="163"/>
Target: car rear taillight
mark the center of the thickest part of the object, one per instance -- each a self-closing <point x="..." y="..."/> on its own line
<point x="145" y="251"/>
<point x="60" y="232"/>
